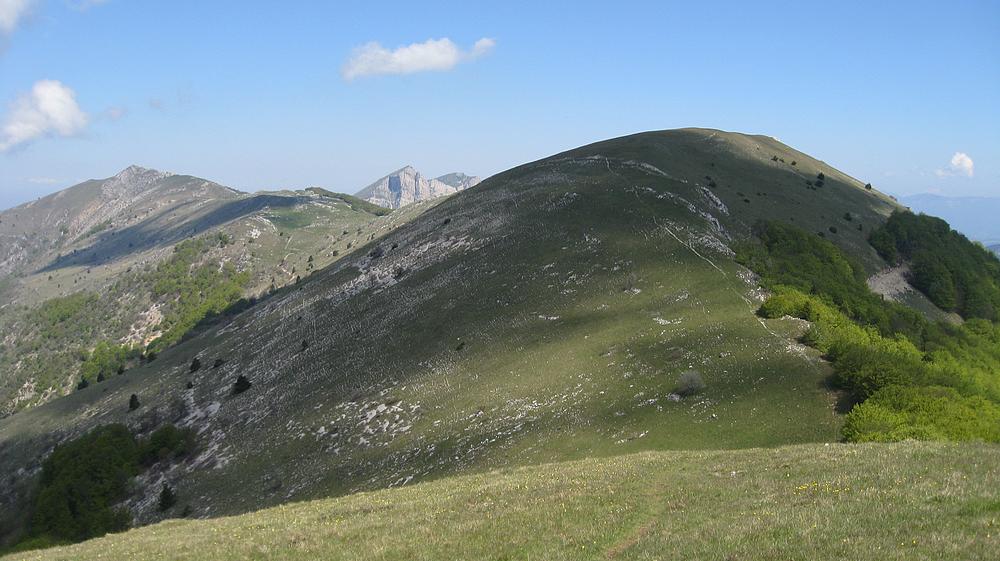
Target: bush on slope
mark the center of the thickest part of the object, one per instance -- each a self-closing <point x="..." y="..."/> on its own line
<point x="918" y="380"/>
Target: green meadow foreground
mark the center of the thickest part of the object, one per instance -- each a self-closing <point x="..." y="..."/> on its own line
<point x="875" y="501"/>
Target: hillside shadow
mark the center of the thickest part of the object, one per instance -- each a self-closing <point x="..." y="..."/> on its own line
<point x="158" y="232"/>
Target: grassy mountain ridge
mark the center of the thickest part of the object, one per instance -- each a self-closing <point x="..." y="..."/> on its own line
<point x="548" y="314"/>
<point x="898" y="501"/>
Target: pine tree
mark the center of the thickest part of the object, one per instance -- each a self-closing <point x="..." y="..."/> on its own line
<point x="167" y="498"/>
<point x="242" y="384"/>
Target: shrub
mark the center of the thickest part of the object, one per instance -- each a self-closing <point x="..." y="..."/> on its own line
<point x="689" y="383"/>
<point x="104" y="361"/>
<point x="241" y="385"/>
<point x="81" y="482"/>
<point x="167" y="498"/>
<point x="195" y="364"/>
<point x="133" y="402"/>
<point x="923" y="413"/>
<point x="166" y="443"/>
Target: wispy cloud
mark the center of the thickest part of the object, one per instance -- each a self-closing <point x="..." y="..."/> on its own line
<point x="12" y="12"/>
<point x="43" y="180"/>
<point x="961" y="164"/>
<point x="115" y="112"/>
<point x="49" y="109"/>
<point x="373" y="59"/>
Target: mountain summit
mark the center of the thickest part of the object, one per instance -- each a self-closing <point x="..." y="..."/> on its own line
<point x="407" y="185"/>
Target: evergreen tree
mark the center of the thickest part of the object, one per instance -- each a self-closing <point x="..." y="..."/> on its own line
<point x="167" y="498"/>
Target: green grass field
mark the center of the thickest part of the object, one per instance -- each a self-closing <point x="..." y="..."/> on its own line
<point x="901" y="501"/>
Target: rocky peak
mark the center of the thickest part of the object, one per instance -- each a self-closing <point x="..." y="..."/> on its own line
<point x="407" y="185"/>
<point x="131" y="180"/>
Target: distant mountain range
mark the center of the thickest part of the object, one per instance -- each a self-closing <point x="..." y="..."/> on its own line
<point x="108" y="237"/>
<point x="407" y="185"/>
<point x="976" y="217"/>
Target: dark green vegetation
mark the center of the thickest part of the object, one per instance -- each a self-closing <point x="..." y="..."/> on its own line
<point x="956" y="274"/>
<point x="917" y="379"/>
<point x="809" y="502"/>
<point x="84" y="480"/>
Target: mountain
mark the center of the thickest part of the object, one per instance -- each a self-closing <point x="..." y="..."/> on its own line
<point x="590" y="306"/>
<point x="406" y="186"/>
<point x="93" y="256"/>
<point x="64" y="219"/>
<point x="995" y="248"/>
<point x="544" y="315"/>
<point x="976" y="217"/>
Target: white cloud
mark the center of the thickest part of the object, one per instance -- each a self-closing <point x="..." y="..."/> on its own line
<point x="961" y="164"/>
<point x="43" y="180"/>
<point x="12" y="12"/>
<point x="432" y="55"/>
<point x="49" y="109"/>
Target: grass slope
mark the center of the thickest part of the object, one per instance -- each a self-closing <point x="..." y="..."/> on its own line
<point x="902" y="501"/>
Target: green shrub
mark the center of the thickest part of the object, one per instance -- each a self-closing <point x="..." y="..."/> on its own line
<point x="689" y="383"/>
<point x="84" y="480"/>
<point x="81" y="482"/>
<point x="106" y="360"/>
<point x="167" y="498"/>
<point x="166" y="443"/>
<point x="923" y="413"/>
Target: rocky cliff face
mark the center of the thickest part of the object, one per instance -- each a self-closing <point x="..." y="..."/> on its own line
<point x="407" y="185"/>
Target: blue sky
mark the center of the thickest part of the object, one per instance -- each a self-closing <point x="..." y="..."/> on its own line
<point x="258" y="96"/>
